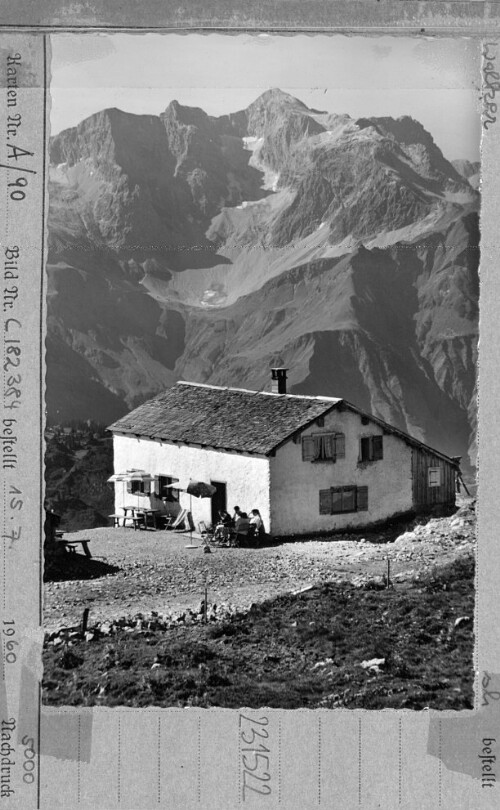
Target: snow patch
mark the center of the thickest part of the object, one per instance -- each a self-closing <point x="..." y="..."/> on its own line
<point x="251" y="143"/>
<point x="459" y="197"/>
<point x="213" y="298"/>
<point x="271" y="179"/>
<point x="249" y="203"/>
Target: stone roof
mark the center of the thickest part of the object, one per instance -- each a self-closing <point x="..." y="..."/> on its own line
<point x="224" y="418"/>
<point x="238" y="419"/>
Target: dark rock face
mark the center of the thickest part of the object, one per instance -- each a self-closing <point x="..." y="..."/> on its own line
<point x="201" y="248"/>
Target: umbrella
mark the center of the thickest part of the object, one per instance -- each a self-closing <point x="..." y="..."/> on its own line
<point x="132" y="475"/>
<point x="118" y="477"/>
<point x="200" y="490"/>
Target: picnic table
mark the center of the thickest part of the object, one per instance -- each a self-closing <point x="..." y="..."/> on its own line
<point x="127" y="513"/>
<point x="139" y="516"/>
<point x="146" y="515"/>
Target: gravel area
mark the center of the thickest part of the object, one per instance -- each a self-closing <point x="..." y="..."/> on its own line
<point x="142" y="571"/>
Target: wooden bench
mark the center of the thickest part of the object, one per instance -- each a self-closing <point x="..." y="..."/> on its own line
<point x="70" y="545"/>
<point x="138" y="521"/>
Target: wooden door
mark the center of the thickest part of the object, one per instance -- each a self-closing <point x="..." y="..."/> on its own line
<point x="219" y="500"/>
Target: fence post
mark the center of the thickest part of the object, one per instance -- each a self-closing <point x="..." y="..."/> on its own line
<point x="85" y="620"/>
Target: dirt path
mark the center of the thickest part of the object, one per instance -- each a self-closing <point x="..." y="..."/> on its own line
<point x="140" y="572"/>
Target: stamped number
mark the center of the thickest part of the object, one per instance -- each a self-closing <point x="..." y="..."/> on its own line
<point x="254" y="755"/>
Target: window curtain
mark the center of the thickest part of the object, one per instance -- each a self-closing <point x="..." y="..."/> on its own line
<point x="329" y="446"/>
<point x="324" y="447"/>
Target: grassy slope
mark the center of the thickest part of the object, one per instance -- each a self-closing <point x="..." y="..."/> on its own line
<point x="294" y="651"/>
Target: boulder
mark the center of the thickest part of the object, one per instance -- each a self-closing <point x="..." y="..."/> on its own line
<point x="373" y="665"/>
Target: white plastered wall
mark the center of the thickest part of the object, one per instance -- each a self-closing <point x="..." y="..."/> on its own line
<point x="246" y="477"/>
<point x="295" y="484"/>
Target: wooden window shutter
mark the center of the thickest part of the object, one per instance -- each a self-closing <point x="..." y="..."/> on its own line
<point x="434" y="476"/>
<point x="362" y="499"/>
<point x="325" y="502"/>
<point x="308" y="448"/>
<point x="329" y="447"/>
<point x="378" y="448"/>
<point x="340" y="445"/>
<point x="337" y="500"/>
<point x="129" y="486"/>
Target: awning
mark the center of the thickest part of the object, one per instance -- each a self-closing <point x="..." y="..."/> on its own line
<point x="131" y="475"/>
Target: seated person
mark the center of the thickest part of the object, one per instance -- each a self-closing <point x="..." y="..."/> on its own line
<point x="225" y="518"/>
<point x="256" y="524"/>
<point x="241" y="526"/>
<point x="222" y="530"/>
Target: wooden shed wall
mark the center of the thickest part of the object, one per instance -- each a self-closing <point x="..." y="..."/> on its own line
<point x="423" y="494"/>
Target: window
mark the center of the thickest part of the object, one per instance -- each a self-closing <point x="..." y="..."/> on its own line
<point x="138" y="487"/>
<point x="336" y="500"/>
<point x="164" y="490"/>
<point x="371" y="448"/>
<point x="323" y="447"/>
<point x="434" y="476"/>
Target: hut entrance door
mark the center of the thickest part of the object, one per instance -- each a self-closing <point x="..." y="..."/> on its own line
<point x="219" y="500"/>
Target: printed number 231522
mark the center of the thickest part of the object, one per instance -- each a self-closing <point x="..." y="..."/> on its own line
<point x="255" y="755"/>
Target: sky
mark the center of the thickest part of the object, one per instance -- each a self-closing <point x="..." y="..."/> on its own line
<point x="436" y="81"/>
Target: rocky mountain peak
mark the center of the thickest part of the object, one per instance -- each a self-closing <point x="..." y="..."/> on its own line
<point x="274" y="97"/>
<point x="417" y="144"/>
<point x="186" y="116"/>
<point x="276" y="105"/>
<point x="404" y="129"/>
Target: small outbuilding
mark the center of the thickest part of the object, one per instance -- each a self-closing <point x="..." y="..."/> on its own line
<point x="310" y="464"/>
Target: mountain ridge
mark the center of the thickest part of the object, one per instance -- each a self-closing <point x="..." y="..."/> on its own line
<point x="173" y="240"/>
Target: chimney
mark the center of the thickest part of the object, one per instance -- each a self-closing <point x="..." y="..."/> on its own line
<point x="278" y="380"/>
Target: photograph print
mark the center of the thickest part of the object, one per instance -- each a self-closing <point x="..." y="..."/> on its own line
<point x="262" y="333"/>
